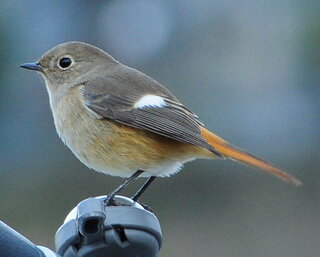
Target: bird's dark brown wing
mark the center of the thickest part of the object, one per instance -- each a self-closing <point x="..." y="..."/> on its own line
<point x="111" y="99"/>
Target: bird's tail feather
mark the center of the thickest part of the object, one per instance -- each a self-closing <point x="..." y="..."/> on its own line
<point x="233" y="153"/>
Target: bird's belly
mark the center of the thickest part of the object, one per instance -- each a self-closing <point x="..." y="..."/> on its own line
<point x="119" y="150"/>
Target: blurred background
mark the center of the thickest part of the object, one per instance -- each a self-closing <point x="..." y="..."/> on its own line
<point x="249" y="69"/>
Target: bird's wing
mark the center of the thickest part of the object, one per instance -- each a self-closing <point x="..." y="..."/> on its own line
<point x="157" y="110"/>
<point x="153" y="111"/>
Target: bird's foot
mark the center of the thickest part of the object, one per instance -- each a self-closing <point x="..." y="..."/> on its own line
<point x="109" y="200"/>
<point x="146" y="207"/>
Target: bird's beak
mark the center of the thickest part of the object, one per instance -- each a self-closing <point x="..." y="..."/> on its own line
<point x="32" y="66"/>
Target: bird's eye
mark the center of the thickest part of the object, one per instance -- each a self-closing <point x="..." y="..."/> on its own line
<point x="65" y="62"/>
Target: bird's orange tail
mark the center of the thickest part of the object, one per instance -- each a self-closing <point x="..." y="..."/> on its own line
<point x="233" y="153"/>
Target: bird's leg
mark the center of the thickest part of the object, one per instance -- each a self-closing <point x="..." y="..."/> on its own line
<point x="110" y="197"/>
<point x="143" y="188"/>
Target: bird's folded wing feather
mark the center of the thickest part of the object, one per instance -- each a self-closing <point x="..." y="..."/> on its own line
<point x="111" y="99"/>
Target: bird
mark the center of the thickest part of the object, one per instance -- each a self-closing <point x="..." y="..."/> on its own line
<point x="119" y="121"/>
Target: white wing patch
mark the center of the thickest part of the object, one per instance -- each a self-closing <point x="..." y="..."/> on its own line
<point x="150" y="101"/>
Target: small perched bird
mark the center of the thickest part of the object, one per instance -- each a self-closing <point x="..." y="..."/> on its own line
<point x="118" y="121"/>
